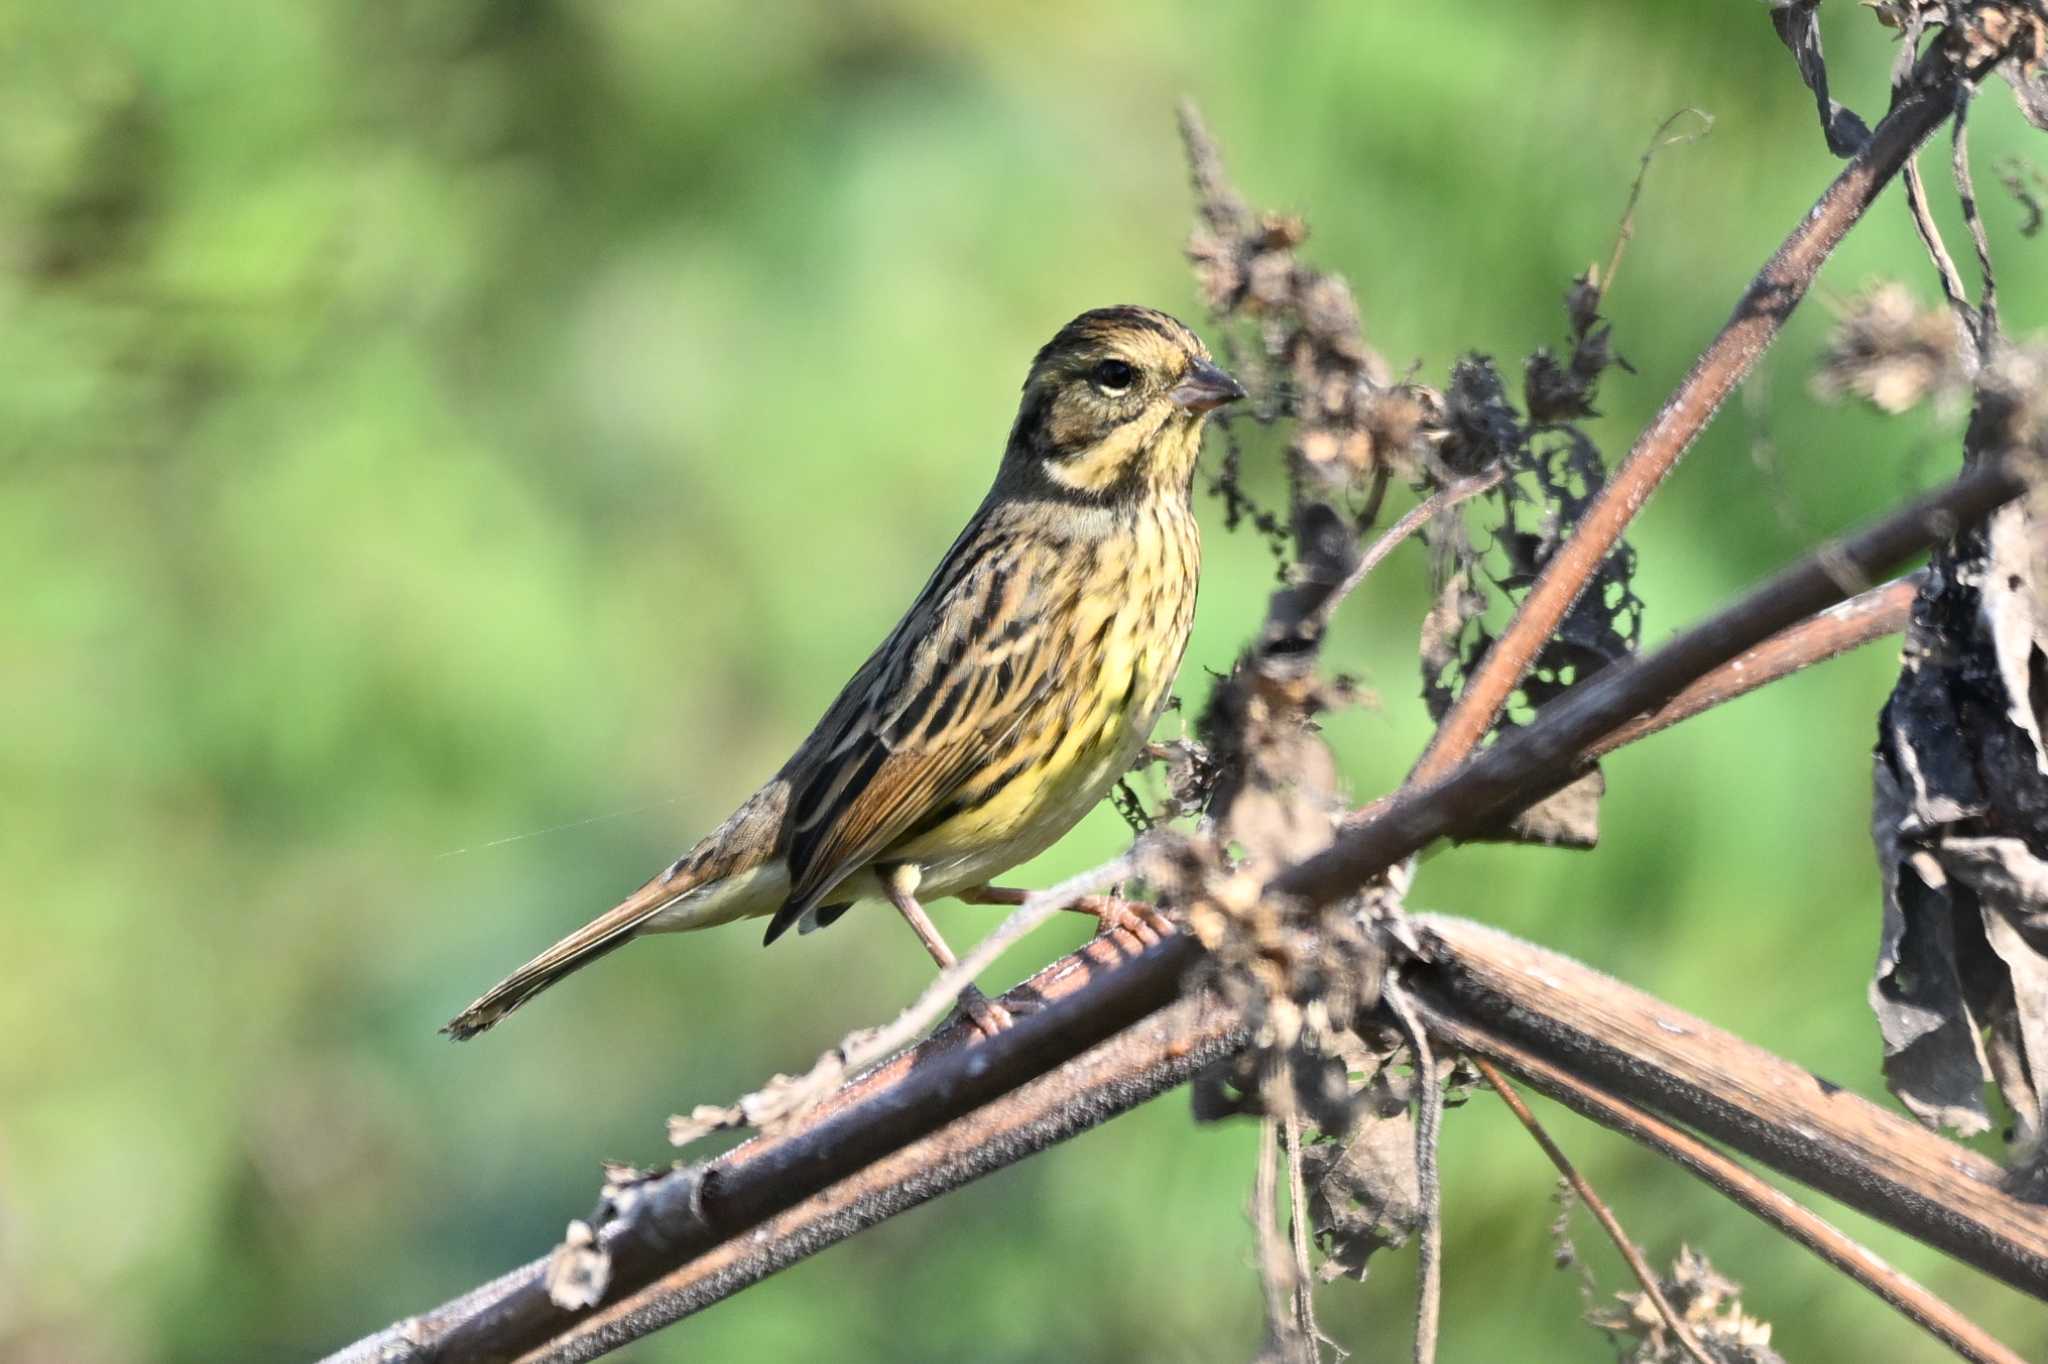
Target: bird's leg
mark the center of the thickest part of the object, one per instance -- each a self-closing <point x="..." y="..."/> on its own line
<point x="900" y="884"/>
<point x="1113" y="912"/>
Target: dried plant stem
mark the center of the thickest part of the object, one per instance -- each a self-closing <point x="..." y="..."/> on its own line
<point x="1275" y="1275"/>
<point x="1966" y="194"/>
<point x="1937" y="251"/>
<point x="1429" y="1108"/>
<point x="1159" y="1054"/>
<point x="1418" y="516"/>
<point x="1863" y="619"/>
<point x="1827" y="634"/>
<point x="777" y="1103"/>
<point x="1758" y="318"/>
<point x="1597" y="1206"/>
<point x="678" y="1216"/>
<point x="1738" y="1184"/>
<point x="1625" y="232"/>
<point x="1298" y="1226"/>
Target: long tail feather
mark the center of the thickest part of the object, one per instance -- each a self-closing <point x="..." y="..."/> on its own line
<point x="608" y="931"/>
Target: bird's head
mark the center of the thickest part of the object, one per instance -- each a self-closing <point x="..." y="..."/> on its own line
<point x="1114" y="406"/>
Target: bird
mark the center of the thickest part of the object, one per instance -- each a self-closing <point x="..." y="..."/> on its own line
<point x="1014" y="693"/>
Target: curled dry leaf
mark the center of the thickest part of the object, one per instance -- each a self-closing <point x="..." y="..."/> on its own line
<point x="1364" y="1192"/>
<point x="1798" y="25"/>
<point x="1961" y="806"/>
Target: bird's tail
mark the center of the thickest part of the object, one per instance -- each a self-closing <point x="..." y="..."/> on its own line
<point x="612" y="929"/>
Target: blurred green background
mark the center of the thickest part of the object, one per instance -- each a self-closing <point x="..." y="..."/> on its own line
<point x="422" y="424"/>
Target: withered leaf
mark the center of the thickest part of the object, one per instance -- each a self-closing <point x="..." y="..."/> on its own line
<point x="1960" y="815"/>
<point x="1568" y="819"/>
<point x="1798" y="26"/>
<point x="1364" y="1193"/>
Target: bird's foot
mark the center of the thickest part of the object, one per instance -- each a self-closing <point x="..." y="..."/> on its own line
<point x="1142" y="921"/>
<point x="987" y="1016"/>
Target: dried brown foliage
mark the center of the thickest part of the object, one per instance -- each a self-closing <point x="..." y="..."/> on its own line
<point x="1961" y="817"/>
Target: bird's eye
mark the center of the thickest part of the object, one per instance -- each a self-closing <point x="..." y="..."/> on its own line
<point x="1113" y="376"/>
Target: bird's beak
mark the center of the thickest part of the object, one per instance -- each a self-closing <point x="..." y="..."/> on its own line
<point x="1204" y="388"/>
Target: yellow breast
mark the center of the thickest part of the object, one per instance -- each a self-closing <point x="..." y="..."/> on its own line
<point x="1129" y="629"/>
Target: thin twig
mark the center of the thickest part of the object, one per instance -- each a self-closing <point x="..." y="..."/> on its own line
<point x="1418" y="516"/>
<point x="864" y="1049"/>
<point x="1266" y="1231"/>
<point x="1937" y="251"/>
<point x="1595" y="1205"/>
<point x="1966" y="192"/>
<point x="1732" y="1180"/>
<point x="786" y="1097"/>
<point x="1429" y="1107"/>
<point x="1758" y="318"/>
<point x="1298" y="1224"/>
<point x="1626" y="231"/>
<point x="1824" y="635"/>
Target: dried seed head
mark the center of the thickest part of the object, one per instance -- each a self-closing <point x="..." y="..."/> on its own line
<point x="1890" y="352"/>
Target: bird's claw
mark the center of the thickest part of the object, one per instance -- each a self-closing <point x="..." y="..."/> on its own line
<point x="986" y="1015"/>
<point x="1135" y="917"/>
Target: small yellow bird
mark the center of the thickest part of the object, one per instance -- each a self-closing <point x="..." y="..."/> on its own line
<point x="1013" y="694"/>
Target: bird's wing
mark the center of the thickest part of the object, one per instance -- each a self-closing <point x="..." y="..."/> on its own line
<point x="942" y="695"/>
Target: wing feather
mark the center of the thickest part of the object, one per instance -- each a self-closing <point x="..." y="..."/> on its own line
<point x="937" y="700"/>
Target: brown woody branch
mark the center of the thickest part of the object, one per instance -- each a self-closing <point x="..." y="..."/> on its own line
<point x="1162" y="1052"/>
<point x="670" y="1219"/>
<point x="1930" y="97"/>
<point x="1551" y="750"/>
<point x="1610" y="1050"/>
<point x="1863" y="619"/>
